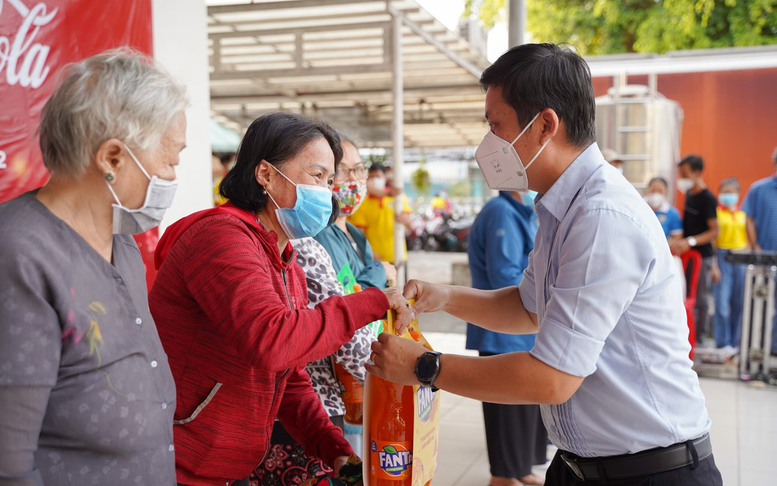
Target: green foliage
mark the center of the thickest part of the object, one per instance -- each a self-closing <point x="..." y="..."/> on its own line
<point x="422" y="181"/>
<point x="597" y="27"/>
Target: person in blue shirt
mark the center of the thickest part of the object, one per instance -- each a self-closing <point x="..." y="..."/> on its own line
<point x="667" y="215"/>
<point x="500" y="241"/>
<point x="761" y="209"/>
<point x="351" y="253"/>
<point x="610" y="366"/>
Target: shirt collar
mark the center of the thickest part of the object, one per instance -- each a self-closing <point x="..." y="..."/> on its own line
<point x="560" y="195"/>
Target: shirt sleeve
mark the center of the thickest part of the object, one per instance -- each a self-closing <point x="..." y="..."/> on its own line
<point x="604" y="258"/>
<point x="675" y="222"/>
<point x="20" y="424"/>
<point x="504" y="250"/>
<point x="319" y="273"/>
<point x="355" y="354"/>
<point x="234" y="283"/>
<point x="30" y="326"/>
<point x="711" y="207"/>
<point x="373" y="275"/>
<point x="303" y="415"/>
<point x="750" y="204"/>
<point x="527" y="289"/>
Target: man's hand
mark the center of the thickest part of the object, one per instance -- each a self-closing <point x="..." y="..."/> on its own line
<point x="394" y="359"/>
<point x="428" y="297"/>
<point x="405" y="313"/>
<point x="715" y="274"/>
<point x="679" y="246"/>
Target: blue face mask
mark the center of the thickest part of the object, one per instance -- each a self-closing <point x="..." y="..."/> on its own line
<point x="729" y="200"/>
<point x="310" y="214"/>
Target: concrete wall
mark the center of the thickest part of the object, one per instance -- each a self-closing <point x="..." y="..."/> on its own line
<point x="181" y="46"/>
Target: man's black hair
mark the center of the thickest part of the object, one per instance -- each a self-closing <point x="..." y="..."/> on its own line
<point x="534" y="77"/>
<point x="694" y="162"/>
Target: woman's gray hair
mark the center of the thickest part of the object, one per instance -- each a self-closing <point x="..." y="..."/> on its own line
<point x="118" y="94"/>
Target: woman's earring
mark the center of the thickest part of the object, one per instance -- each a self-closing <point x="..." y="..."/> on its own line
<point x="110" y="177"/>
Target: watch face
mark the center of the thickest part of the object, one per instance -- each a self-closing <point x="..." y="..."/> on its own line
<point x="427" y="367"/>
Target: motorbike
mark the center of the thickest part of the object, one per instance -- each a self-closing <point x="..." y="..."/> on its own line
<point x="443" y="232"/>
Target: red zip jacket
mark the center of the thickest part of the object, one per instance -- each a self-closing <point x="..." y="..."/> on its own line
<point x="233" y="319"/>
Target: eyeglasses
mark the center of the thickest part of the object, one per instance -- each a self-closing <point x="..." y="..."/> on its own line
<point x="343" y="173"/>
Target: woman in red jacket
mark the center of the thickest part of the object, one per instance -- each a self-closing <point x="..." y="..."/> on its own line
<point x="230" y="303"/>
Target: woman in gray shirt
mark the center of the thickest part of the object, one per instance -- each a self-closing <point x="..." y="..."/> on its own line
<point x="86" y="393"/>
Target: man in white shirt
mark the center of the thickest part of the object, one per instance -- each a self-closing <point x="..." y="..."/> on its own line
<point x="610" y="366"/>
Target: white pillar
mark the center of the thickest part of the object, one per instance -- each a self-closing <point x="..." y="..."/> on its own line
<point x="397" y="132"/>
<point x="516" y="24"/>
<point x="181" y="47"/>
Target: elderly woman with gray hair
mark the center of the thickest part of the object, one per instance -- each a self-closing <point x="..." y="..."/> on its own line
<point x="86" y="393"/>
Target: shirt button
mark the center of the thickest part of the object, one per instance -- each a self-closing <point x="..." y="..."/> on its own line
<point x="164" y="405"/>
<point x="171" y="448"/>
<point x="154" y="364"/>
<point x="138" y="321"/>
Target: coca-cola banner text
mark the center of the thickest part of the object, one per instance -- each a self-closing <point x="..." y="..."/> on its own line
<point x="38" y="38"/>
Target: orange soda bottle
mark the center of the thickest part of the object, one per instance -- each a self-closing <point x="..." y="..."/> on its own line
<point x="353" y="391"/>
<point x="391" y="429"/>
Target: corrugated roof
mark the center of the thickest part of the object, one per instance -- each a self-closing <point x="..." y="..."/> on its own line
<point x="332" y="60"/>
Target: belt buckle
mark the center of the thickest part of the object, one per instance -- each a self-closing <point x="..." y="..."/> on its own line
<point x="571" y="464"/>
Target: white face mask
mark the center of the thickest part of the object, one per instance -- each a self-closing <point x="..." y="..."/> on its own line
<point x="684" y="185"/>
<point x="377" y="184"/>
<point x="501" y="165"/>
<point x="159" y="197"/>
<point x="655" y="200"/>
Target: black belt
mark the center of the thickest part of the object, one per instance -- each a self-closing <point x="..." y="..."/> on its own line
<point x="643" y="463"/>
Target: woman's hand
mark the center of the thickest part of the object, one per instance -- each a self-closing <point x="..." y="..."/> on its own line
<point x="428" y="297"/>
<point x="391" y="274"/>
<point x="404" y="312"/>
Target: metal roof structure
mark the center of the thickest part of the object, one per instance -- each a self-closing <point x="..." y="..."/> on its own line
<point x="335" y="60"/>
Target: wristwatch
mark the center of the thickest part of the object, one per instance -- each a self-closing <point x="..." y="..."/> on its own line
<point x="691" y="241"/>
<point x="427" y="368"/>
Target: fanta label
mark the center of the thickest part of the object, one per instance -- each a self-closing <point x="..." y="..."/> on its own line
<point x="394" y="459"/>
<point x="425" y="401"/>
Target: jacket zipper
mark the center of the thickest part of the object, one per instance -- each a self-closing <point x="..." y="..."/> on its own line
<point x="285" y="373"/>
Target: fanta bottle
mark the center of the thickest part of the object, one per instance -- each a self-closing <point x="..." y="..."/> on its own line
<point x="391" y="433"/>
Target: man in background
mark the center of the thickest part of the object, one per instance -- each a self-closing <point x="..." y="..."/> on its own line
<point x="761" y="209"/>
<point x="700" y="229"/>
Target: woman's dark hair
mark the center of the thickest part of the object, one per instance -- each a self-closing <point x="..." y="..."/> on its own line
<point x="534" y="77"/>
<point x="276" y="138"/>
<point x="660" y="180"/>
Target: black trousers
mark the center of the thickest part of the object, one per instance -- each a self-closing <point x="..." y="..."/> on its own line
<point x="705" y="474"/>
<point x="515" y="437"/>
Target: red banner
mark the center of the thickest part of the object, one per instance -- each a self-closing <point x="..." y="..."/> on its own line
<point x="37" y="39"/>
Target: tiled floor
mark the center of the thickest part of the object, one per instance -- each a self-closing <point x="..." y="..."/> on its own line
<point x="744" y="430"/>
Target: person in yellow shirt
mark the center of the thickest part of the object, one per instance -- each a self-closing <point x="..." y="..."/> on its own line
<point x="729" y="279"/>
<point x="376" y="216"/>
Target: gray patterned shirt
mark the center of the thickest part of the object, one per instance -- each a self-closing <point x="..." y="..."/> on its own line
<point x="82" y="371"/>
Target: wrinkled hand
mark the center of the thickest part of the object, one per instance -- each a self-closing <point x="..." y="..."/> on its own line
<point x="428" y="297"/>
<point x="394" y="359"/>
<point x="339" y="463"/>
<point x="391" y="274"/>
<point x="405" y="313"/>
